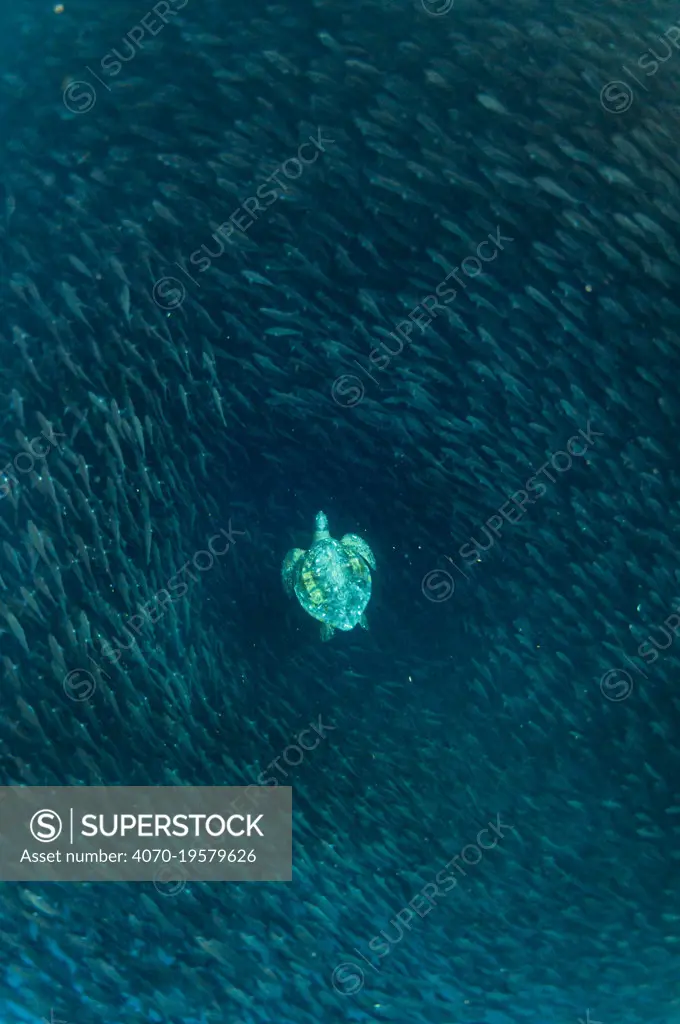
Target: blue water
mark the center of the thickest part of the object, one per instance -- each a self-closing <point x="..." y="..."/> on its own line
<point x="519" y="668"/>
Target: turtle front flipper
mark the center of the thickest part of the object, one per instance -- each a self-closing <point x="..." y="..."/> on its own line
<point x="358" y="546"/>
<point x="326" y="631"/>
<point x="288" y="569"/>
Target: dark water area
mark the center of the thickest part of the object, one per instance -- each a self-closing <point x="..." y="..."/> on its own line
<point x="414" y="264"/>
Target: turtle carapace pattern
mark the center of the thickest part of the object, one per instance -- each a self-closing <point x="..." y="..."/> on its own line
<point x="332" y="580"/>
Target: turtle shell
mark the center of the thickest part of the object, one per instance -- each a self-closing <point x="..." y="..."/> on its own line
<point x="333" y="584"/>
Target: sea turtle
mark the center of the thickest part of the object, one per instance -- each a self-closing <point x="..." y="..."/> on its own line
<point x="332" y="580"/>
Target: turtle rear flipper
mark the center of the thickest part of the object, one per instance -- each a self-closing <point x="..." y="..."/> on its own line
<point x="288" y="569"/>
<point x="363" y="622"/>
<point x="358" y="546"/>
<point x="326" y="631"/>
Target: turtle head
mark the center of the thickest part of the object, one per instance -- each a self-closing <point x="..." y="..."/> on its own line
<point x="321" y="527"/>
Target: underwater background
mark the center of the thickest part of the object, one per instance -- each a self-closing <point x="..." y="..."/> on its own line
<point x="414" y="264"/>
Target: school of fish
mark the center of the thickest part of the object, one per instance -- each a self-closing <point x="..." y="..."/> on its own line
<point x="416" y="263"/>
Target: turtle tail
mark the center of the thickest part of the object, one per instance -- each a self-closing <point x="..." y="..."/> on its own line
<point x="321" y="524"/>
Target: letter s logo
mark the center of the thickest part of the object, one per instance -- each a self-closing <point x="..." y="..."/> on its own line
<point x="45" y="826"/>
